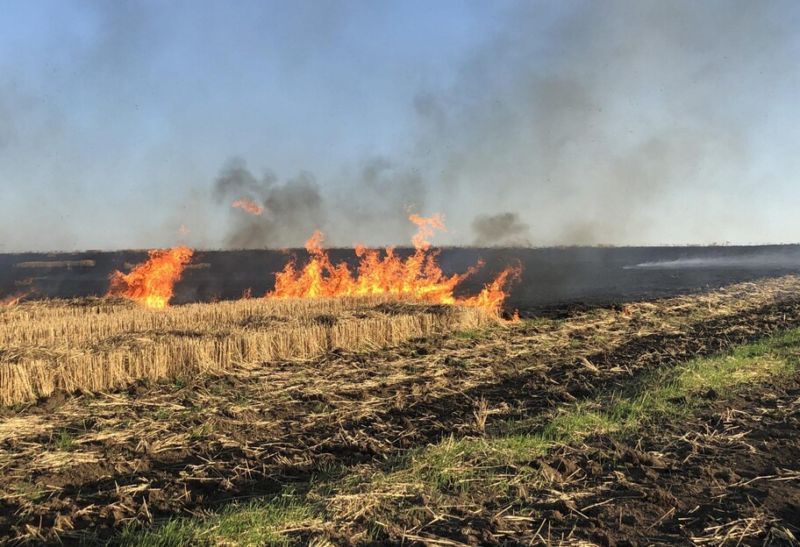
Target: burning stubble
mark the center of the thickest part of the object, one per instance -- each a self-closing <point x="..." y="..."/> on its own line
<point x="417" y="277"/>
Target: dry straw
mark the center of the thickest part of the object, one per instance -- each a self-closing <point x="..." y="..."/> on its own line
<point x="99" y="344"/>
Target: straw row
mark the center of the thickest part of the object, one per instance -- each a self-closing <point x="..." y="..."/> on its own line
<point x="68" y="348"/>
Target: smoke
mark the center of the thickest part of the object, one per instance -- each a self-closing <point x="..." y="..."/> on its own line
<point x="500" y="229"/>
<point x="787" y="259"/>
<point x="292" y="210"/>
<point x="371" y="208"/>
<point x="620" y="122"/>
<point x="616" y="122"/>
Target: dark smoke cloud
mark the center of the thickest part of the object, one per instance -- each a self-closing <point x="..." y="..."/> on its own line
<point x="371" y="207"/>
<point x="235" y="179"/>
<point x="292" y="210"/>
<point x="500" y="229"/>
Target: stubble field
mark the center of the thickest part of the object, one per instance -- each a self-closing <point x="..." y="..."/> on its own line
<point x="663" y="421"/>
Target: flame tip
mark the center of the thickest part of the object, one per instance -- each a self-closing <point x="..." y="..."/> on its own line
<point x="248" y="206"/>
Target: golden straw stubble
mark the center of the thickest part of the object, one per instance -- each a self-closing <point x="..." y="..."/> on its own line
<point x="99" y="344"/>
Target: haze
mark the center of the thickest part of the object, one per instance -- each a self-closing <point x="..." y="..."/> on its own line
<point x="137" y="124"/>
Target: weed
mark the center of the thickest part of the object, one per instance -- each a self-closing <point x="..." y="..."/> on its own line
<point x="64" y="441"/>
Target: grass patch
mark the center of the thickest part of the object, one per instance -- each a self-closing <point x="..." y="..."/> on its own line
<point x="64" y="441"/>
<point x="261" y="522"/>
<point x="471" y="334"/>
<point x="202" y="431"/>
<point x="28" y="491"/>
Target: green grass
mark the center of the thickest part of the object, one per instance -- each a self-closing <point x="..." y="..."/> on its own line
<point x="450" y="472"/>
<point x="201" y="431"/>
<point x="456" y="465"/>
<point x="260" y="522"/>
<point x="474" y="334"/>
<point x="28" y="491"/>
<point x="64" y="441"/>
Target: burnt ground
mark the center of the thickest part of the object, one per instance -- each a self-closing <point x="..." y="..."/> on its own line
<point x="552" y="277"/>
<point x="81" y="468"/>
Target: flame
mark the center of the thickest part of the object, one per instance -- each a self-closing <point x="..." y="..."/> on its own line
<point x="493" y="294"/>
<point x="151" y="283"/>
<point x="427" y="227"/>
<point x="248" y="206"/>
<point x="417" y="277"/>
<point x="14" y="299"/>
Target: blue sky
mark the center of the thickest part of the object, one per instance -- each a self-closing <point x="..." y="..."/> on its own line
<point x="623" y="122"/>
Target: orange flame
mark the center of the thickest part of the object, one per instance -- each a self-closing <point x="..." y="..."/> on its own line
<point x="151" y="283"/>
<point x="248" y="206"/>
<point x="13" y="299"/>
<point x="493" y="294"/>
<point x="417" y="277"/>
<point x="426" y="226"/>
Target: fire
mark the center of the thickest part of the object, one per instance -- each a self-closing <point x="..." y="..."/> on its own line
<point x="417" y="277"/>
<point x="248" y="206"/>
<point x="493" y="294"/>
<point x="427" y="227"/>
<point x="13" y="299"/>
<point x="151" y="283"/>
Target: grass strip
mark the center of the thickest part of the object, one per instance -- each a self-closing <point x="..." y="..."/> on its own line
<point x="258" y="522"/>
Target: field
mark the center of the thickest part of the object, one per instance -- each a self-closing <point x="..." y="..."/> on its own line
<point x="658" y="421"/>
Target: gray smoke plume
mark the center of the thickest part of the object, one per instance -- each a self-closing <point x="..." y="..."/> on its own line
<point x="622" y="122"/>
<point x="291" y="211"/>
<point x="500" y="229"/>
<point x="370" y="208"/>
<point x="613" y="122"/>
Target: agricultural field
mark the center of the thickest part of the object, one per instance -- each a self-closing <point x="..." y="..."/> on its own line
<point x="414" y="274"/>
<point x="374" y="421"/>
